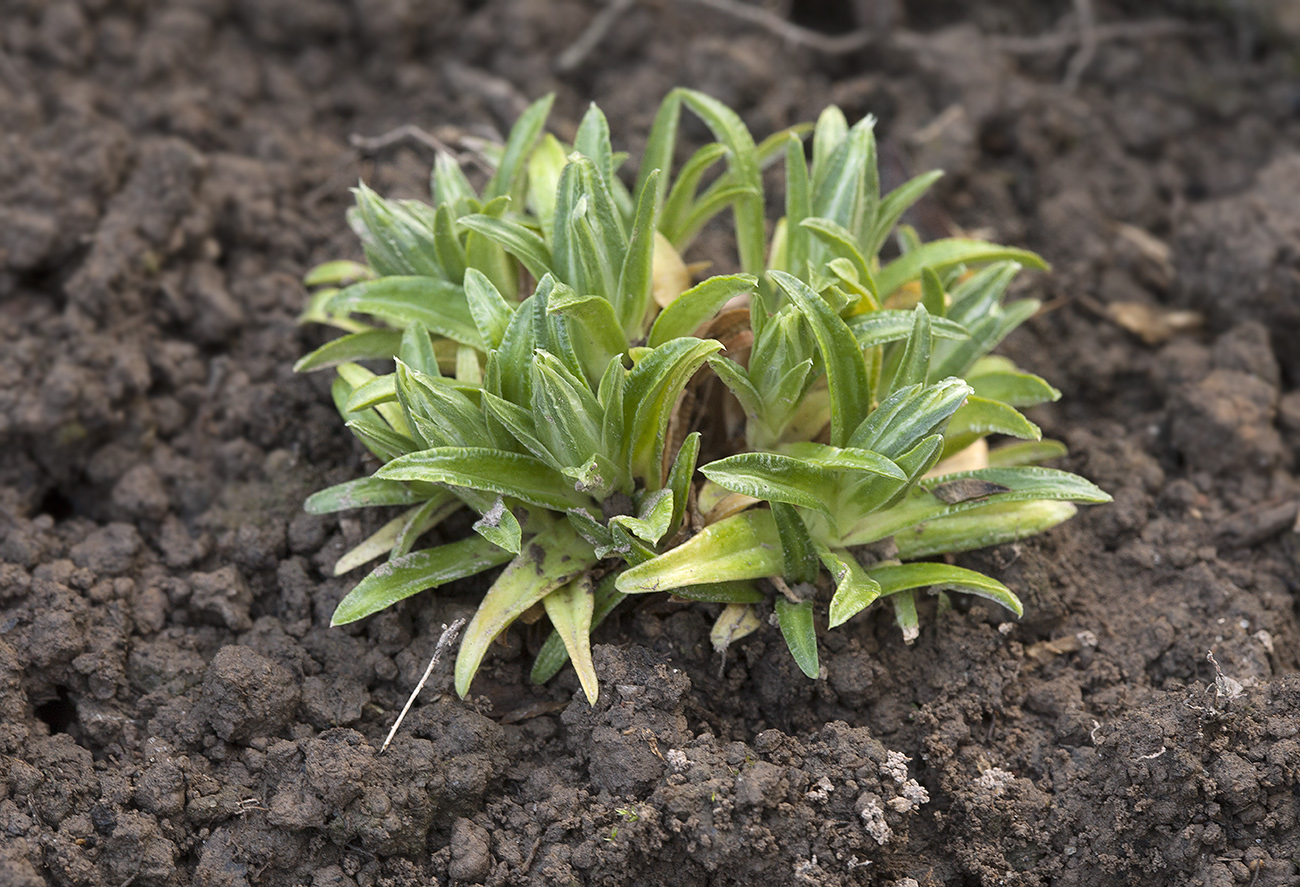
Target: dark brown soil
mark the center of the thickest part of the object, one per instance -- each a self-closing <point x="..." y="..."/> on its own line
<point x="176" y="710"/>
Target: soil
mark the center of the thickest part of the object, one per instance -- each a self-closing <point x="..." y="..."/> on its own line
<point x="176" y="710"/>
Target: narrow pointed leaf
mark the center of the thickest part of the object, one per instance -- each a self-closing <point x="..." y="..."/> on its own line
<point x="854" y="589"/>
<point x="508" y="474"/>
<point x="800" y="634"/>
<point x="892" y="207"/>
<point x="361" y="493"/>
<point x="840" y="243"/>
<point x="943" y="254"/>
<point x="524" y="244"/>
<point x="744" y="546"/>
<point x="552" y="656"/>
<point x="499" y="526"/>
<point x="553" y="557"/>
<point x="888" y="325"/>
<point x="846" y="371"/>
<point x="894" y="578"/>
<point x="369" y="345"/>
<point x="1029" y="452"/>
<point x="978" y="418"/>
<point x="679" y="478"/>
<point x="653" y="387"/>
<point x="696" y="305"/>
<point x="982" y="527"/>
<point x="417" y="350"/>
<point x="570" y="608"/>
<point x="377" y="544"/>
<point x="400" y="301"/>
<point x="799" y="555"/>
<point x="636" y="276"/>
<point x="416" y="572"/>
<point x="523" y="135"/>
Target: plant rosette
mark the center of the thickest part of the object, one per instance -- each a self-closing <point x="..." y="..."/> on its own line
<point x="558" y="418"/>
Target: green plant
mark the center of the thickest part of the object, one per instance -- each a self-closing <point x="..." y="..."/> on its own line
<point x="556" y="416"/>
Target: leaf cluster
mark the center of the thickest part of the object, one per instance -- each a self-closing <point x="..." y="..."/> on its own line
<point x="545" y="335"/>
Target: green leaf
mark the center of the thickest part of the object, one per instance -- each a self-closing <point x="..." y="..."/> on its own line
<point x="1030" y="452"/>
<point x="660" y="145"/>
<point x="737" y="592"/>
<point x="499" y="526"/>
<point x="552" y="656"/>
<point x="508" y="474"/>
<point x="714" y="200"/>
<point x="1022" y="485"/>
<point x="907" y="416"/>
<point x="566" y="413"/>
<point x="800" y="634"/>
<point x="888" y="325"/>
<point x="553" y="557"/>
<point x="744" y="170"/>
<point x="544" y="167"/>
<point x="397" y="235"/>
<point x="696" y="305"/>
<point x="654" y="518"/>
<point x="904" y="603"/>
<point x="447" y="245"/>
<point x="818" y="483"/>
<point x="590" y="243"/>
<point x="733" y="375"/>
<point x="490" y="257"/>
<point x="830" y="132"/>
<point x="524" y="244"/>
<point x="743" y="546"/>
<point x="598" y="336"/>
<point x="443" y="416"/>
<point x="361" y="493"/>
<point x="400" y="301"/>
<point x="570" y="608"/>
<point x="943" y="254"/>
<point x="592" y="142"/>
<point x="978" y="418"/>
<point x="507" y="181"/>
<point x="799" y="556"/>
<point x="841" y="243"/>
<point x="680" y="199"/>
<point x="895" y="578"/>
<point x="416" y="572"/>
<point x="982" y="527"/>
<point x="379" y="438"/>
<point x="679" y="479"/>
<point x="490" y="310"/>
<point x="449" y="185"/>
<point x="636" y="276"/>
<point x="854" y="589"/>
<point x="432" y="512"/>
<point x="337" y="273"/>
<point x="998" y="379"/>
<point x="653" y="387"/>
<point x="892" y="207"/>
<point x="379" y="390"/>
<point x="932" y="296"/>
<point x="914" y="364"/>
<point x="519" y="424"/>
<point x="369" y="345"/>
<point x="417" y="350"/>
<point x="846" y="371"/>
<point x="798" y="206"/>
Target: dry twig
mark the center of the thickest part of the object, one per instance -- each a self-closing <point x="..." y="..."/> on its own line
<point x="449" y="633"/>
<point x="590" y="38"/>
